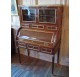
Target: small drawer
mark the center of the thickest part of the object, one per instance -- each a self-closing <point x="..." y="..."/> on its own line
<point x="25" y="25"/>
<point x="30" y="46"/>
<point x="33" y="47"/>
<point x="43" y="49"/>
<point x="21" y="44"/>
<point x="38" y="42"/>
<point x="46" y="50"/>
<point x="40" y="27"/>
<point x="51" y="28"/>
<point x="46" y="44"/>
<point x="37" y="26"/>
<point x="49" y="50"/>
<point x="34" y="26"/>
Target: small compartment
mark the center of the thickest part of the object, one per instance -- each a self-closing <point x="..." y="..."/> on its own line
<point x="37" y="26"/>
<point x="25" y="26"/>
<point x="51" y="28"/>
<point x="36" y="47"/>
<point x="47" y="15"/>
<point x="43" y="49"/>
<point x="22" y="44"/>
<point x="46" y="44"/>
<point x="33" y="47"/>
<point x="38" y="42"/>
<point x="34" y="26"/>
<point x="30" y="46"/>
<point x="47" y="50"/>
<point x="40" y="27"/>
<point x="28" y="14"/>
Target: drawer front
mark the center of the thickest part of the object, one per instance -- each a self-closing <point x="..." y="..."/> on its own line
<point x="51" y="28"/>
<point x="25" y="26"/>
<point x="22" y="44"/>
<point x="30" y="46"/>
<point x="33" y="47"/>
<point x="37" y="26"/>
<point x="46" y="50"/>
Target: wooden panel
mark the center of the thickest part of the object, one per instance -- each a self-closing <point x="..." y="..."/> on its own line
<point x="65" y="32"/>
<point x="19" y="2"/>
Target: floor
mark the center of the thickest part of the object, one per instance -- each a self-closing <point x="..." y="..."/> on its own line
<point x="32" y="67"/>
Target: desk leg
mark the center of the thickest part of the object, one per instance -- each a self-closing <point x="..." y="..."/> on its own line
<point x="28" y="52"/>
<point x="58" y="55"/>
<point x="52" y="64"/>
<point x="19" y="55"/>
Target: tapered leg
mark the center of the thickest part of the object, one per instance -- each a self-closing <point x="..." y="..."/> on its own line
<point x="19" y="55"/>
<point x="28" y="52"/>
<point x="58" y="55"/>
<point x="52" y="64"/>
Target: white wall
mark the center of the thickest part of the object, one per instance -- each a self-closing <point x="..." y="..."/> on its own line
<point x="28" y="2"/>
<point x="43" y="2"/>
<point x="48" y="2"/>
<point x="15" y="23"/>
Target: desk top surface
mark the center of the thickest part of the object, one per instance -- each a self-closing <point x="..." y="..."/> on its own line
<point x="37" y="36"/>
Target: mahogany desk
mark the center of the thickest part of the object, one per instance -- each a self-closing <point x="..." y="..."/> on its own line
<point x="40" y="30"/>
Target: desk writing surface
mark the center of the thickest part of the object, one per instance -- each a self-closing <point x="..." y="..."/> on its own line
<point x="39" y="36"/>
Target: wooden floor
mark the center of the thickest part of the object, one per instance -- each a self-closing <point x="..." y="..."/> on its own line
<point x="32" y="67"/>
